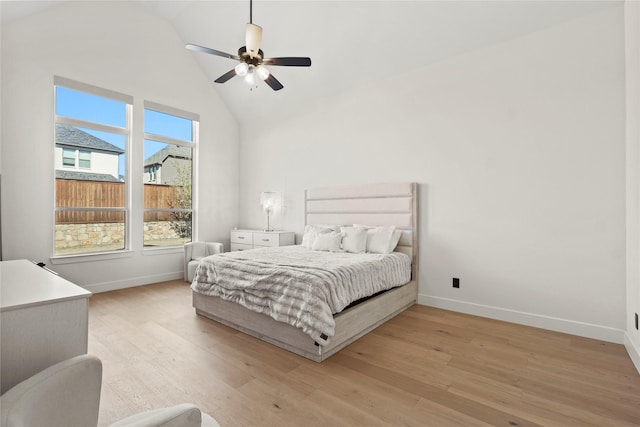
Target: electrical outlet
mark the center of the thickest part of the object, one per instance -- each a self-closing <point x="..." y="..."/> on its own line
<point x="456" y="283"/>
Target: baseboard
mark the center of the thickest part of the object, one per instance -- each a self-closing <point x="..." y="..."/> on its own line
<point x="634" y="352"/>
<point x="572" y="327"/>
<point x="97" y="288"/>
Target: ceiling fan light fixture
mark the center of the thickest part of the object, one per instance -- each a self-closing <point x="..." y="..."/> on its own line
<point x="262" y="72"/>
<point x="253" y="39"/>
<point x="251" y="58"/>
<point x="250" y="78"/>
<point x="242" y="69"/>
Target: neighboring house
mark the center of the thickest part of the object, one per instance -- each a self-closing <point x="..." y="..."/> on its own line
<point x="80" y="155"/>
<point x="167" y="165"/>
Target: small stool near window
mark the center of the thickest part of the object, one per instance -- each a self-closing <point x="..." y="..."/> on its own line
<point x="194" y="252"/>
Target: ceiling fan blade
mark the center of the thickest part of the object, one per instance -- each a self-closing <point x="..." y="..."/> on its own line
<point x="253" y="38"/>
<point x="273" y="82"/>
<point x="226" y="76"/>
<point x="203" y="49"/>
<point x="288" y="61"/>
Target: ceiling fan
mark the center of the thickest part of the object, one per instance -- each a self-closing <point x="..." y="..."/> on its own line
<point x="251" y="58"/>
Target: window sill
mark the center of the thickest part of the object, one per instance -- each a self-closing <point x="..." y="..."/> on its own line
<point x="99" y="256"/>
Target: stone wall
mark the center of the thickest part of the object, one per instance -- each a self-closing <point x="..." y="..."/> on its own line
<point x="107" y="236"/>
<point x="158" y="231"/>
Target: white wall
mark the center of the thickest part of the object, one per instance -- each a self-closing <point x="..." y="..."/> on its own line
<point x="632" y="46"/>
<point x="121" y="47"/>
<point x="519" y="150"/>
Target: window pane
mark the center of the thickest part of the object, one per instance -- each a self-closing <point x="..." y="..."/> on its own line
<point x="167" y="125"/>
<point x="105" y="148"/>
<point x="93" y="108"/>
<point x="89" y="173"/>
<point x="84" y="159"/>
<point x="79" y="232"/>
<point x="68" y="157"/>
<point x="167" y="194"/>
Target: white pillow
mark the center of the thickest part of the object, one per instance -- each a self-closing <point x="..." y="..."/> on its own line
<point x="331" y="227"/>
<point x="381" y="240"/>
<point x="395" y="239"/>
<point x="327" y="242"/>
<point x="354" y="239"/>
<point x="310" y="233"/>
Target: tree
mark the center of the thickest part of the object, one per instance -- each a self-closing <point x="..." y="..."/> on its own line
<point x="181" y="222"/>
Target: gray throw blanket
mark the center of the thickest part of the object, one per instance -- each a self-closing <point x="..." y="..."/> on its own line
<point x="300" y="286"/>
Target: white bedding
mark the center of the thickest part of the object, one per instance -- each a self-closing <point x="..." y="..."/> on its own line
<point x="300" y="286"/>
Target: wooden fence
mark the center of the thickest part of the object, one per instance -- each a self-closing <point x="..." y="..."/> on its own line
<point x="99" y="194"/>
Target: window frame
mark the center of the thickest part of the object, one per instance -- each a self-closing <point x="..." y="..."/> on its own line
<point x="193" y="144"/>
<point x="125" y="131"/>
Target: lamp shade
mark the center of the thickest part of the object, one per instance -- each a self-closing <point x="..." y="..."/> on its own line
<point x="262" y="72"/>
<point x="268" y="201"/>
<point x="242" y="69"/>
<point x="250" y="77"/>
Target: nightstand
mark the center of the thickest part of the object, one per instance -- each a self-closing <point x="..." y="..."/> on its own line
<point x="242" y="240"/>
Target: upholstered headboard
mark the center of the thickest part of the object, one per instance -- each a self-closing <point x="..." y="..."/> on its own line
<point x="369" y="204"/>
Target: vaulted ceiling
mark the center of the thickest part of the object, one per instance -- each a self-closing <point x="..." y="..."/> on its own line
<point x="350" y="43"/>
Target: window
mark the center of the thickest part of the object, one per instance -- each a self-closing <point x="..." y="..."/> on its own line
<point x="92" y="136"/>
<point x="68" y="157"/>
<point x="169" y="143"/>
<point x="84" y="159"/>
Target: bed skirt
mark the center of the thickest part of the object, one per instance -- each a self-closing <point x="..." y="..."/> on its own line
<point x="351" y="323"/>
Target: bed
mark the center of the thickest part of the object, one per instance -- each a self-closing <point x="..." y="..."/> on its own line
<point x="385" y="204"/>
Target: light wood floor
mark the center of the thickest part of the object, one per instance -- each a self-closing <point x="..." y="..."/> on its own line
<point x="426" y="367"/>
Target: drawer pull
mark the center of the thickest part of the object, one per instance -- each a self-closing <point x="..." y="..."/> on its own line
<point x="265" y="240"/>
<point x="241" y="237"/>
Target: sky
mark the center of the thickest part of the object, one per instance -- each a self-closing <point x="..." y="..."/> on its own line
<point x="84" y="106"/>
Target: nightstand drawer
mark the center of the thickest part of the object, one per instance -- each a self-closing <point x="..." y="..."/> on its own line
<point x="244" y="237"/>
<point x="240" y="247"/>
<point x="241" y="240"/>
<point x="266" y="239"/>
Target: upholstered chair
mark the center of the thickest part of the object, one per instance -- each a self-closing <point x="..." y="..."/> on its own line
<point x="194" y="252"/>
<point x="67" y="394"/>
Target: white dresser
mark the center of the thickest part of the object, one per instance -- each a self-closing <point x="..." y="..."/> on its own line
<point x="43" y="320"/>
<point x="250" y="239"/>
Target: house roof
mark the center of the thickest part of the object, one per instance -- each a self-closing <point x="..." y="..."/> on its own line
<point x="74" y="137"/>
<point x="85" y="176"/>
<point x="176" y="151"/>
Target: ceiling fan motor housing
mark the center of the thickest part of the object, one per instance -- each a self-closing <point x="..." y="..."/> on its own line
<point x="251" y="60"/>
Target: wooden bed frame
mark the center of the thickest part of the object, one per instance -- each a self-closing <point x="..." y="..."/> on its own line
<point x="370" y="204"/>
